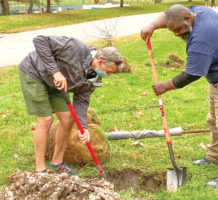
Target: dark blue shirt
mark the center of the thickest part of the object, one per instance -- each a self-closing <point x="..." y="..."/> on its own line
<point x="202" y="45"/>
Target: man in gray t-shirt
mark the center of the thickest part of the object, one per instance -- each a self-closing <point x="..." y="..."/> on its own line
<point x="62" y="63"/>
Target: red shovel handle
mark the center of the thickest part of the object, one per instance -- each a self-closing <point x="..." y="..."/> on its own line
<point x="149" y="45"/>
<point x="164" y="119"/>
<point x="79" y="125"/>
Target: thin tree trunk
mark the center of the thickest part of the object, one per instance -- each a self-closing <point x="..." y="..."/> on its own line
<point x="48" y="6"/>
<point x="5" y="7"/>
<point x="121" y="3"/>
<point x="30" y="10"/>
<point x="157" y="1"/>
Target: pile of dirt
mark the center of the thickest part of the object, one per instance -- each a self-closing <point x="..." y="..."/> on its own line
<point x="174" y="62"/>
<point x="50" y="186"/>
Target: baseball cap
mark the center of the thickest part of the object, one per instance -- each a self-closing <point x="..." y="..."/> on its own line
<point x="111" y="54"/>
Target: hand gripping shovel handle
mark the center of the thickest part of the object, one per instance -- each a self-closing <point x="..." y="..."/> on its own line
<point x="79" y="125"/>
<point x="164" y="119"/>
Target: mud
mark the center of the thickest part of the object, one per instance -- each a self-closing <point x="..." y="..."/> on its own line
<point x="173" y="62"/>
<point x="136" y="179"/>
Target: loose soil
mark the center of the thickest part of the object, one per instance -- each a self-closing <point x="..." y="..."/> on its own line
<point x="173" y="62"/>
<point x="50" y="186"/>
<point x="136" y="179"/>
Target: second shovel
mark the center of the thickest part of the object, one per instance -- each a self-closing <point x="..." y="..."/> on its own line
<point x="177" y="176"/>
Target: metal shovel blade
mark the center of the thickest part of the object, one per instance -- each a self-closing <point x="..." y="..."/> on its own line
<point x="176" y="178"/>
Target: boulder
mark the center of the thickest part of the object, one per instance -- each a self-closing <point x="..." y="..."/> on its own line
<point x="77" y="152"/>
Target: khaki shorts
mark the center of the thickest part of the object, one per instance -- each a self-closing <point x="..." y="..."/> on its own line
<point x="41" y="100"/>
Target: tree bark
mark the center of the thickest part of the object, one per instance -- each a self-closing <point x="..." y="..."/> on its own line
<point x="121" y="3"/>
<point x="30" y="10"/>
<point x="5" y="7"/>
<point x="157" y="1"/>
<point x="48" y="6"/>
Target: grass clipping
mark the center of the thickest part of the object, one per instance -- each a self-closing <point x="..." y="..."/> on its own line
<point x="50" y="186"/>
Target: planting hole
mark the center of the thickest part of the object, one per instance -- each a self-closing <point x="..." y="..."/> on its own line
<point x="136" y="179"/>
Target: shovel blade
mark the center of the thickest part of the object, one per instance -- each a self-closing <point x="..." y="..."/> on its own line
<point x="175" y="178"/>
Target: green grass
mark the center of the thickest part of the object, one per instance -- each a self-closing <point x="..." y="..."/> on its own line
<point x="117" y="103"/>
<point x="19" y="23"/>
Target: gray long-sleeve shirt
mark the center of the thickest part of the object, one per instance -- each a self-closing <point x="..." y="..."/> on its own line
<point x="72" y="58"/>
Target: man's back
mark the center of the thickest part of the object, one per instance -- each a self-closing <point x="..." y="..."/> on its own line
<point x="68" y="55"/>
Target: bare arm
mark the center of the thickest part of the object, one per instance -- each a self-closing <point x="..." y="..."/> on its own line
<point x="158" y="23"/>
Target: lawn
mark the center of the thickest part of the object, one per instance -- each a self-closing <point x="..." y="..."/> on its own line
<point x="19" y="23"/>
<point x="117" y="104"/>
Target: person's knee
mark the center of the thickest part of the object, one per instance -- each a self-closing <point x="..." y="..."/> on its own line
<point x="67" y="121"/>
<point x="45" y="121"/>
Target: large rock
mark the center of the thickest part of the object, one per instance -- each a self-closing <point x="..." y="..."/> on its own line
<point x="77" y="152"/>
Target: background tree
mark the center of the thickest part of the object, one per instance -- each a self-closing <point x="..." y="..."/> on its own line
<point x="32" y="2"/>
<point x="5" y="7"/>
<point x="121" y="3"/>
<point x="48" y="6"/>
<point x="58" y="2"/>
<point x="30" y="10"/>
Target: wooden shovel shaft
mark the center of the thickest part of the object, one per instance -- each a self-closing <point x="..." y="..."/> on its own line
<point x="196" y="131"/>
<point x="164" y="119"/>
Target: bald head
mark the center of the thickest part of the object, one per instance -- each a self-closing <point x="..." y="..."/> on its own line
<point x="180" y="20"/>
<point x="178" y="14"/>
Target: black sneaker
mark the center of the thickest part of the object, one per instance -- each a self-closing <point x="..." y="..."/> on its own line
<point x="201" y="161"/>
<point x="213" y="183"/>
<point x="63" y="168"/>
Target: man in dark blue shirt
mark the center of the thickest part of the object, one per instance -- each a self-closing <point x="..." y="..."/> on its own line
<point x="198" y="26"/>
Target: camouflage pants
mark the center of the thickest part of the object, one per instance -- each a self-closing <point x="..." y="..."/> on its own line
<point x="212" y="121"/>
